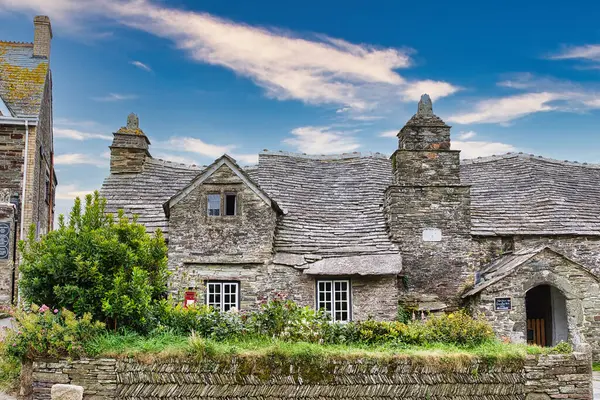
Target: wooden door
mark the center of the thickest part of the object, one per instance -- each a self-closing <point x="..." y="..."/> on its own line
<point x="536" y="332"/>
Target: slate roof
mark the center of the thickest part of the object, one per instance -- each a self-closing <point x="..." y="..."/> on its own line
<point x="22" y="78"/>
<point x="528" y="195"/>
<point x="334" y="204"/>
<point x="143" y="194"/>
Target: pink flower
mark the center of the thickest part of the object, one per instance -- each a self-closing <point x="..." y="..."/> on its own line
<point x="55" y="311"/>
<point x="44" y="308"/>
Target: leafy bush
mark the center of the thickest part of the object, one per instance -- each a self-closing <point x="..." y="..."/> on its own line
<point x="43" y="332"/>
<point x="205" y="321"/>
<point x="458" y="328"/>
<point x="281" y="318"/>
<point x="110" y="268"/>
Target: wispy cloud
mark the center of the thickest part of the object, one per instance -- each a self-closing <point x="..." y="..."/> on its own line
<point x="479" y="148"/>
<point x="70" y="191"/>
<point x="75" y="134"/>
<point x="115" y="97"/>
<point x="315" y="69"/>
<point x="474" y="149"/>
<point x="175" y="158"/>
<point x="79" y="159"/>
<point x="389" y="134"/>
<point x="589" y="53"/>
<point x="198" y="146"/>
<point x="505" y="109"/>
<point x="322" y="140"/>
<point x="466" y="135"/>
<point x="141" y="65"/>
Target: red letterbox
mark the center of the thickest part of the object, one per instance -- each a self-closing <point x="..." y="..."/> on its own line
<point x="190" y="298"/>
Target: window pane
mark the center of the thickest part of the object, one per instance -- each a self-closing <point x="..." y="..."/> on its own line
<point x="230" y="204"/>
<point x="214" y="205"/>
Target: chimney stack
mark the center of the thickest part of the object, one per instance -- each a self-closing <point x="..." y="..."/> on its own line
<point x="42" y="36"/>
<point x="129" y="148"/>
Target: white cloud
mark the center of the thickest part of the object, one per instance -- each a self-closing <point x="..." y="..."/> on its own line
<point x="435" y="90"/>
<point x="78" y="159"/>
<point x="245" y="159"/>
<point x="175" y="158"/>
<point x="506" y="109"/>
<point x="466" y="135"/>
<point x="194" y="145"/>
<point x="69" y="192"/>
<point x="75" y="134"/>
<point x="115" y="97"/>
<point x="589" y="52"/>
<point x="473" y="149"/>
<point x="141" y="65"/>
<point x="389" y="134"/>
<point x="316" y="69"/>
<point x="321" y="140"/>
<point x="198" y="146"/>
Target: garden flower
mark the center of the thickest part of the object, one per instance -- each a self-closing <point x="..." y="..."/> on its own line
<point x="55" y="311"/>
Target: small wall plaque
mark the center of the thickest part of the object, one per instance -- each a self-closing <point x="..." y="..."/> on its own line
<point x="503" y="304"/>
<point x="4" y="240"/>
<point x="432" y="235"/>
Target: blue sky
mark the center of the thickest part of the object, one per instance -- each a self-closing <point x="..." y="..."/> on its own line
<point x="207" y="77"/>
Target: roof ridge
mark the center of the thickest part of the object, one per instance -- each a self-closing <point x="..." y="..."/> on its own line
<point x="176" y="164"/>
<point x="11" y="42"/>
<point x="324" y="157"/>
<point x="499" y="157"/>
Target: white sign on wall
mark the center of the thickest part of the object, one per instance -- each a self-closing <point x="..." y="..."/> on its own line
<point x="432" y="235"/>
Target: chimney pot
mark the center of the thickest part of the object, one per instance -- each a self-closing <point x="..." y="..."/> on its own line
<point x="42" y="36"/>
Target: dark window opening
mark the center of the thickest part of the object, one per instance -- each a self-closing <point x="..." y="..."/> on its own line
<point x="230" y="204"/>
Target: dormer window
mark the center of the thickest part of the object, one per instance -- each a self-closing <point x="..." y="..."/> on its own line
<point x="214" y="205"/>
<point x="223" y="204"/>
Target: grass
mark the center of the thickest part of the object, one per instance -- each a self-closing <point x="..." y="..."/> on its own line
<point x="596" y="366"/>
<point x="168" y="345"/>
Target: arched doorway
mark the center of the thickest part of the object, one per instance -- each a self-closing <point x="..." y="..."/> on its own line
<point x="546" y="310"/>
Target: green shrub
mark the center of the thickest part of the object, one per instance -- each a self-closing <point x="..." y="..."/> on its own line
<point x="457" y="328"/>
<point x="43" y="332"/>
<point x="205" y="321"/>
<point x="96" y="264"/>
<point x="284" y="319"/>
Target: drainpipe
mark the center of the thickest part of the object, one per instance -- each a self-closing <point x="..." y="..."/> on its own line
<point x="25" y="160"/>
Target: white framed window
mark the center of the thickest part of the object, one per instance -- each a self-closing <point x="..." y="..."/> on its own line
<point x="334" y="297"/>
<point x="214" y="205"/>
<point x="223" y="295"/>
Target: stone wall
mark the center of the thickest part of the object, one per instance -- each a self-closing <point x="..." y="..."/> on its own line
<point x="538" y="377"/>
<point x="580" y="288"/>
<point x="436" y="269"/>
<point x="12" y="145"/>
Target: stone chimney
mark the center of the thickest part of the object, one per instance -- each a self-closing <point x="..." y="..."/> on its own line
<point x="129" y="148"/>
<point x="424" y="156"/>
<point x="42" y="36"/>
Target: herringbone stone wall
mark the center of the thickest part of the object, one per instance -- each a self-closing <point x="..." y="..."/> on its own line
<point x="538" y="377"/>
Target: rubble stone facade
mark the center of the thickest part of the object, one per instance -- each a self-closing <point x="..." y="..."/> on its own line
<point x="365" y="233"/>
<point x="27" y="173"/>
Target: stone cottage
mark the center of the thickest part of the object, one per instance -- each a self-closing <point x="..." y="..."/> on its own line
<point x="516" y="237"/>
<point x="27" y="176"/>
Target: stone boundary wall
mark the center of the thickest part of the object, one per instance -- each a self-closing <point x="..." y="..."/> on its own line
<point x="538" y="378"/>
